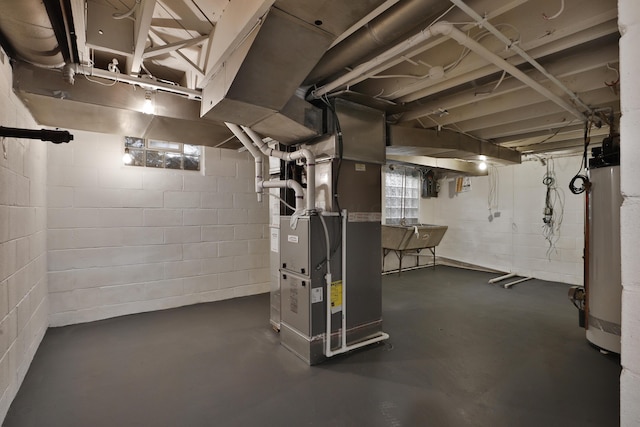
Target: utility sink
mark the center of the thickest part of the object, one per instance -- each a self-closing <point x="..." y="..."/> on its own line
<point x="401" y="238"/>
<point x="412" y="237"/>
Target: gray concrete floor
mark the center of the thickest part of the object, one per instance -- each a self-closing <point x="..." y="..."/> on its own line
<point x="461" y="353"/>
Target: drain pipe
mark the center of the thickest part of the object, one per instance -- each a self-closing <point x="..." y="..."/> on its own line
<point x="299" y="154"/>
<point x="260" y="182"/>
<point x="446" y="29"/>
<point x="517" y="49"/>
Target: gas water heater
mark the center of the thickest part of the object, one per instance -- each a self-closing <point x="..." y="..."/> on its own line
<point x="600" y="298"/>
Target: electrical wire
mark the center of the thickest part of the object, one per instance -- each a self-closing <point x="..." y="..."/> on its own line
<point x="86" y="76"/>
<point x="492" y="198"/>
<point x="455" y="128"/>
<point x="127" y="13"/>
<point x="282" y="201"/>
<point x="548" y="18"/>
<point x="583" y="164"/>
<point x="553" y="209"/>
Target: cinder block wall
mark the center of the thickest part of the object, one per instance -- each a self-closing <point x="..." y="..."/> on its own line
<point x="509" y="238"/>
<point x="126" y="239"/>
<point x="23" y="257"/>
<point x="629" y="24"/>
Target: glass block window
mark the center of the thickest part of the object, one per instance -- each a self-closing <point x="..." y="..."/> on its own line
<point x="153" y="153"/>
<point x="402" y="195"/>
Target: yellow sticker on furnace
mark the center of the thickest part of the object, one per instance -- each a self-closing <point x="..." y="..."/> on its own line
<point x="336" y="296"/>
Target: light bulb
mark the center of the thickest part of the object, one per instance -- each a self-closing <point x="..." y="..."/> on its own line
<point x="127" y="158"/>
<point x="482" y="157"/>
<point x="147" y="107"/>
<point x="482" y="166"/>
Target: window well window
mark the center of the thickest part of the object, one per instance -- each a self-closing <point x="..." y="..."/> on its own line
<point x="154" y="153"/>
<point x="402" y="195"/>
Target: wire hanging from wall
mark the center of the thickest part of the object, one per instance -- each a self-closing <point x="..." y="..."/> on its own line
<point x="492" y="198"/>
<point x="553" y="209"/>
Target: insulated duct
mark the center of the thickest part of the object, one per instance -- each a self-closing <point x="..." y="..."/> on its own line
<point x="385" y="29"/>
<point x="33" y="41"/>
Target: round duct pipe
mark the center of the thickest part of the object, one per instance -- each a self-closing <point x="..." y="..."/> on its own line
<point x="398" y="22"/>
<point x="25" y="25"/>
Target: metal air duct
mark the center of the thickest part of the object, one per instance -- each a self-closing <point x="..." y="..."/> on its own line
<point x="256" y="85"/>
<point x="27" y="33"/>
<point x="399" y="21"/>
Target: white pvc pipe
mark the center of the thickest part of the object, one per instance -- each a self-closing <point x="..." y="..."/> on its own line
<point x="257" y="155"/>
<point x="344" y="278"/>
<point x="517" y="49"/>
<point x="510" y="284"/>
<point x="327" y="277"/>
<point x="501" y="278"/>
<point x="381" y="336"/>
<point x="299" y="154"/>
<point x="288" y="183"/>
<point x="446" y="29"/>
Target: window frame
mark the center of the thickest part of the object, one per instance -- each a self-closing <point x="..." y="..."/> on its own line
<point x="143" y="146"/>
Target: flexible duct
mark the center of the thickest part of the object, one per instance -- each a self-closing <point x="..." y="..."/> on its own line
<point x="387" y="28"/>
<point x="443" y="28"/>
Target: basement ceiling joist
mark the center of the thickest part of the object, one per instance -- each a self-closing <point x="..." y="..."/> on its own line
<point x="173" y="41"/>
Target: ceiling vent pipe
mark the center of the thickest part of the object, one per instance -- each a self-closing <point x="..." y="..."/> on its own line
<point x="399" y="21"/>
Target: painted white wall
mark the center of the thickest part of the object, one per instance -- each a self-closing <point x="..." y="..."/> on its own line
<point x="23" y="257"/>
<point x="125" y="239"/>
<point x="629" y="24"/>
<point x="510" y="239"/>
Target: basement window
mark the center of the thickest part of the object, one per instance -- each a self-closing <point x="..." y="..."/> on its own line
<point x="402" y="195"/>
<point x="153" y="153"/>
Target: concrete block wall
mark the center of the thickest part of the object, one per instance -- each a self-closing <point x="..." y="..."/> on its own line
<point x="629" y="25"/>
<point x="510" y="237"/>
<point x="126" y="239"/>
<point x="23" y="257"/>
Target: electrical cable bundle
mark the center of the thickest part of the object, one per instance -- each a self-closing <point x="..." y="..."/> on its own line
<point x="492" y="199"/>
<point x="578" y="177"/>
<point x="553" y="209"/>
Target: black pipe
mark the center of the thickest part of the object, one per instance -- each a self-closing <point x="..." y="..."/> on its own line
<point x="55" y="136"/>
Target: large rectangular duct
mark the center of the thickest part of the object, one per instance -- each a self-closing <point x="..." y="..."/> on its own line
<point x="406" y="141"/>
<point x="255" y="85"/>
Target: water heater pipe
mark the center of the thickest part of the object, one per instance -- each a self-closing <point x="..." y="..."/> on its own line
<point x="442" y="28"/>
<point x="299" y="154"/>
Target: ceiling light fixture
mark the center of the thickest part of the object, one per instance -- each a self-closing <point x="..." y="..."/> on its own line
<point x="148" y="107"/>
<point x="482" y="166"/>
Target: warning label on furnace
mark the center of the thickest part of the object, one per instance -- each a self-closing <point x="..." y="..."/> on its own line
<point x="336" y="296"/>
